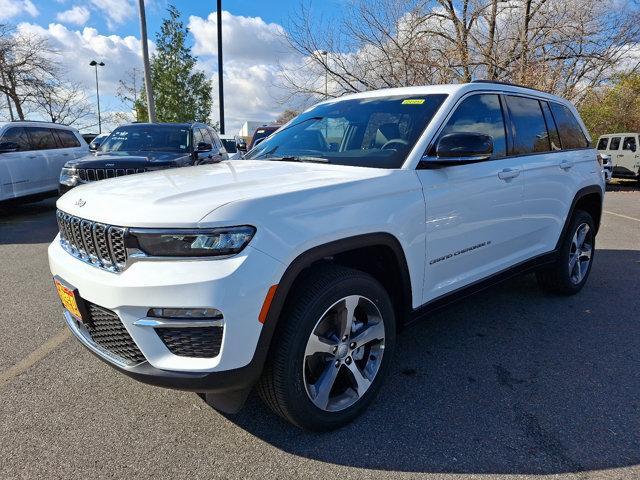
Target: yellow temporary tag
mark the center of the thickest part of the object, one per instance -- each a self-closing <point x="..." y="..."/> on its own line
<point x="413" y="101"/>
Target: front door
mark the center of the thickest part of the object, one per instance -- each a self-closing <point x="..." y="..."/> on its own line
<point x="474" y="211"/>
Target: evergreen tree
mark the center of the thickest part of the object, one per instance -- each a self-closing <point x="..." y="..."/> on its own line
<point x="182" y="93"/>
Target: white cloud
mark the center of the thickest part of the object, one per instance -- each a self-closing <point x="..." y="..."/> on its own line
<point x="77" y="15"/>
<point x="116" y="11"/>
<point x="13" y="8"/>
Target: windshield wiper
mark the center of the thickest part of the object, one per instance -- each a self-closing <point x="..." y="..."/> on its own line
<point x="299" y="158"/>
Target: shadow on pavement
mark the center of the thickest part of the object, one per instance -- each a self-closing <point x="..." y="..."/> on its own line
<point x="511" y="380"/>
<point x="623" y="186"/>
<point x="28" y="222"/>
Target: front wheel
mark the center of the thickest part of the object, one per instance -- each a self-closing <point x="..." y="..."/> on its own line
<point x="571" y="270"/>
<point x="332" y="350"/>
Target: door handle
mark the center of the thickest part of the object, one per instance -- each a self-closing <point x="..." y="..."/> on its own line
<point x="566" y="164"/>
<point x="508" y="173"/>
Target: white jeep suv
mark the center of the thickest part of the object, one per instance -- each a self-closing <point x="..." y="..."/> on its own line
<point x="294" y="270"/>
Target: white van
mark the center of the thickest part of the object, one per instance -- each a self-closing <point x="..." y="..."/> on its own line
<point x="623" y="150"/>
<point x="32" y="155"/>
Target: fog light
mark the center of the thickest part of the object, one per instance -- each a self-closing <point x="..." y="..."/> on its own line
<point x="185" y="313"/>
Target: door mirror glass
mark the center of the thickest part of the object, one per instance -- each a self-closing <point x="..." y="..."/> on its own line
<point x="94" y="146"/>
<point x="242" y="146"/>
<point x="6" y="147"/>
<point x="204" y="147"/>
<point x="464" y="147"/>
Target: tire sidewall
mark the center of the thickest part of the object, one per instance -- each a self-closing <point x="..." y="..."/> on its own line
<point x="300" y="406"/>
<point x="579" y="218"/>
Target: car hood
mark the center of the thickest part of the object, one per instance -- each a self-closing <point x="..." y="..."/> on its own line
<point x="183" y="196"/>
<point x="138" y="158"/>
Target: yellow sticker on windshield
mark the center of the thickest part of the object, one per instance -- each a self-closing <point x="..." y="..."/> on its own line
<point x="413" y="101"/>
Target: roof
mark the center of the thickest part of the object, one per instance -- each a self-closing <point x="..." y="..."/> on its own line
<point x="19" y="123"/>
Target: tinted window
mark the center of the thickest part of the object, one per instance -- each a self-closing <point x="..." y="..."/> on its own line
<point x="229" y="145"/>
<point x="67" y="139"/>
<point x="571" y="134"/>
<point x="480" y="114"/>
<point x="42" y="138"/>
<point x="629" y="144"/>
<point x="17" y="135"/>
<point x="367" y="132"/>
<point x="554" y="137"/>
<point x="615" y="143"/>
<point x="163" y="138"/>
<point x="530" y="135"/>
<point x="602" y="143"/>
<point x="198" y="137"/>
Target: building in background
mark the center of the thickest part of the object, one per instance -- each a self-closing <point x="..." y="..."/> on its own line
<point x="247" y="129"/>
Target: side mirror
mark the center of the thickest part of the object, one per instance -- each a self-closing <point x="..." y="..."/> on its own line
<point x="460" y="149"/>
<point x="204" y="147"/>
<point x="242" y="146"/>
<point x="6" y="147"/>
<point x="94" y="146"/>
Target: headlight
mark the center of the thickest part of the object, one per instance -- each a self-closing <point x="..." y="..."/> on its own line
<point x="69" y="176"/>
<point x="192" y="243"/>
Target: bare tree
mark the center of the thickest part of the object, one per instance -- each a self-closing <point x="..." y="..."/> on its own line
<point x="287" y="115"/>
<point x="561" y="46"/>
<point x="64" y="102"/>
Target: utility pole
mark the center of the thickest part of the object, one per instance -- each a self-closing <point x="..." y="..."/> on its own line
<point x="135" y="92"/>
<point x="95" y="64"/>
<point x="220" y="87"/>
<point x="151" y="106"/>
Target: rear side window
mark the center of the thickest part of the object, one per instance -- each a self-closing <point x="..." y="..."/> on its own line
<point x="67" y="139"/>
<point x="554" y="136"/>
<point x="42" y="138"/>
<point x="480" y="114"/>
<point x="17" y="135"/>
<point x="615" y="143"/>
<point x="629" y="144"/>
<point x="571" y="134"/>
<point x="530" y="134"/>
<point x="602" y="143"/>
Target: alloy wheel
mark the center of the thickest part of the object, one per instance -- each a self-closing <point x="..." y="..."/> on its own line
<point x="580" y="253"/>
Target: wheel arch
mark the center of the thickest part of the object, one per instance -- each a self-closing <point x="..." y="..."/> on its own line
<point x="589" y="199"/>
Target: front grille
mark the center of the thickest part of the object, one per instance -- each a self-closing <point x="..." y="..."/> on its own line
<point x="203" y="342"/>
<point x="93" y="174"/>
<point x="96" y="243"/>
<point x="106" y="329"/>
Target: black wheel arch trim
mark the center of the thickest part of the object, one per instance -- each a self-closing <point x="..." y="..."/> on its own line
<point x="580" y="194"/>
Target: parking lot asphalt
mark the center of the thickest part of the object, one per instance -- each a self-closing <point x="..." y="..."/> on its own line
<point x="511" y="382"/>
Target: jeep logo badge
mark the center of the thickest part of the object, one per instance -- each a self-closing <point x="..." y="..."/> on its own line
<point x="80" y="202"/>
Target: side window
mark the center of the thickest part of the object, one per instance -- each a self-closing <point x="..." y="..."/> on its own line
<point x="554" y="136"/>
<point x="67" y="139"/>
<point x="42" y="138"/>
<point x="197" y="137"/>
<point x="17" y="135"/>
<point x="629" y="144"/>
<point x="615" y="143"/>
<point x="530" y="134"/>
<point x="571" y="134"/>
<point x="215" y="141"/>
<point x="602" y="143"/>
<point x="480" y="114"/>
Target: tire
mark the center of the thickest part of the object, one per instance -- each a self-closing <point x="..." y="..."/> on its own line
<point x="568" y="279"/>
<point x="291" y="383"/>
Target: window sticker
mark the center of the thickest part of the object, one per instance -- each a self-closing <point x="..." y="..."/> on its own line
<point x="413" y="101"/>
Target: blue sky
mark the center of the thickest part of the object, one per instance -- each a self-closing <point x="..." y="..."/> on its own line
<point x="108" y="30"/>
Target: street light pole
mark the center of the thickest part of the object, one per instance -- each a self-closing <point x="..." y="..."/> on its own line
<point x="151" y="104"/>
<point x="95" y="64"/>
<point x="220" y="87"/>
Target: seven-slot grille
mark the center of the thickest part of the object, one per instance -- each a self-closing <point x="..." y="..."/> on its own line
<point x="201" y="342"/>
<point x="95" y="243"/>
<point x="93" y="174"/>
<point x="106" y="329"/>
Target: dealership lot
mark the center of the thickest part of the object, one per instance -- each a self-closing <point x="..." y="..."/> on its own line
<point x="510" y="382"/>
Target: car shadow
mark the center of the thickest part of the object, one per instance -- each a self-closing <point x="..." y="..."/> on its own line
<point x="28" y="222"/>
<point x="623" y="186"/>
<point x="511" y="380"/>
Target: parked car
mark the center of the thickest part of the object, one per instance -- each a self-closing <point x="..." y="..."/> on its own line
<point x="622" y="149"/>
<point x="32" y="155"/>
<point x="88" y="137"/>
<point x="261" y="133"/>
<point x="293" y="270"/>
<point x="230" y="143"/>
<point x="143" y="147"/>
<point x="97" y="141"/>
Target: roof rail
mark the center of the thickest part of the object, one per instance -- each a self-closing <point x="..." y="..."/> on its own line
<point x="496" y="82"/>
<point x="39" y="121"/>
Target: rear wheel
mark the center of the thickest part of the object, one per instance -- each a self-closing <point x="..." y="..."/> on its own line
<point x="332" y="350"/>
<point x="569" y="274"/>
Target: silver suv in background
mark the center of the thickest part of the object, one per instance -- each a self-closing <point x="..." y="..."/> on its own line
<point x="32" y="155"/>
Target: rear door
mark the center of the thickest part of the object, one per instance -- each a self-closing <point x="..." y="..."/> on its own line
<point x="474" y="211"/>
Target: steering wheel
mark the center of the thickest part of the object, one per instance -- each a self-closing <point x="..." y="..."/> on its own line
<point x="399" y="141"/>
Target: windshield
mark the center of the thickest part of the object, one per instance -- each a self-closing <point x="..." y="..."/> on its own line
<point x="166" y="138"/>
<point x="229" y="145"/>
<point x="366" y="132"/>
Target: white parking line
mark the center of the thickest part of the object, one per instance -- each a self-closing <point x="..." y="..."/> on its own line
<point x="623" y="216"/>
<point x="34" y="357"/>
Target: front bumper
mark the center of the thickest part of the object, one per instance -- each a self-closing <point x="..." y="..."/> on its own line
<point x="235" y="286"/>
